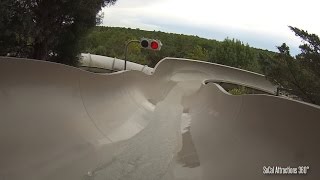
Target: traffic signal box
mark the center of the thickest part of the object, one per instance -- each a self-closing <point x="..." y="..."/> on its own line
<point x="152" y="44"/>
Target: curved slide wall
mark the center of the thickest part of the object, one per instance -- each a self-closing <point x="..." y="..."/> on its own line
<point x="59" y="122"/>
<point x="236" y="136"/>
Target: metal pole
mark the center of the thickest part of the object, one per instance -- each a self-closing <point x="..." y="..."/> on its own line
<point x="278" y="91"/>
<point x="126" y="50"/>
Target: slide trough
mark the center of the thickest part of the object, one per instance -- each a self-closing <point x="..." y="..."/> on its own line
<point x="173" y="122"/>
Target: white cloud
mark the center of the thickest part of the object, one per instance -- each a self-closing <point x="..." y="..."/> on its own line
<point x="234" y="18"/>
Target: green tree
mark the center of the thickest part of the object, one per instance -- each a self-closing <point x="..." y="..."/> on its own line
<point x="47" y="29"/>
<point x="198" y="53"/>
<point x="238" y="91"/>
<point x="236" y="54"/>
<point x="300" y="74"/>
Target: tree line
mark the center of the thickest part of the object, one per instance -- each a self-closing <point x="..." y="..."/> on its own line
<point x="110" y="41"/>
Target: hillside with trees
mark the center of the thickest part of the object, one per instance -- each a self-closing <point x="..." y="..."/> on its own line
<point x="110" y="41"/>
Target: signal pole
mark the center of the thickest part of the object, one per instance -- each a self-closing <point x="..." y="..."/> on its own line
<point x="145" y="43"/>
<point x="126" y="50"/>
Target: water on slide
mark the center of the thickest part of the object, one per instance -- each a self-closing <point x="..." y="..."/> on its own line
<point x="59" y="122"/>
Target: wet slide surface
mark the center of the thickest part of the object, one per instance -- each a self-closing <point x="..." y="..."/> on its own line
<point x="60" y="122"/>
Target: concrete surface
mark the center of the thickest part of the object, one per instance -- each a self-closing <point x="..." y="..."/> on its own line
<point x="60" y="122"/>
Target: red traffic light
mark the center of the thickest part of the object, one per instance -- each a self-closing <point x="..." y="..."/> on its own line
<point x="154" y="45"/>
<point x="150" y="44"/>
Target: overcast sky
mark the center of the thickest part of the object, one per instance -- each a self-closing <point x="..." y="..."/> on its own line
<point x="261" y="23"/>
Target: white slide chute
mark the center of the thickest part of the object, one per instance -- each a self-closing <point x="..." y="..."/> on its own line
<point x="107" y="64"/>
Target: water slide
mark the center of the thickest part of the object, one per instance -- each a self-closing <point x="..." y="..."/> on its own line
<point x="103" y="64"/>
<point x="175" y="123"/>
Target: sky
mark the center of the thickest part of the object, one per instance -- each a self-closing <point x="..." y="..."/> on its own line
<point x="260" y="23"/>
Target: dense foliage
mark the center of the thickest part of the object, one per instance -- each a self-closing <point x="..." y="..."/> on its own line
<point x="299" y="75"/>
<point x="110" y="41"/>
<point x="46" y="29"/>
